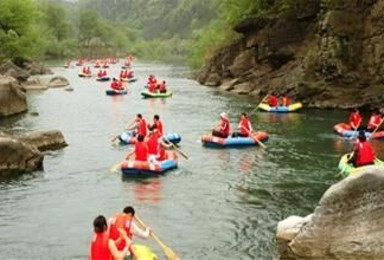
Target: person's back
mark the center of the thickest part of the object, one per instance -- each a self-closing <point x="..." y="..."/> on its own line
<point x="99" y="245"/>
<point x="100" y="74"/>
<point x="104" y="73"/>
<point x="151" y="87"/>
<point x="153" y="144"/>
<point x="141" y="151"/>
<point x="163" y="87"/>
<point x="272" y="101"/>
<point x="123" y="221"/>
<point x="365" y="154"/>
<point x="114" y="85"/>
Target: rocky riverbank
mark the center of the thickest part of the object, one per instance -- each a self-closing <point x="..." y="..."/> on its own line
<point x="327" y="56"/>
<point x="348" y="222"/>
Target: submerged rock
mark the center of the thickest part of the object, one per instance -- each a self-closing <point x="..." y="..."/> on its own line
<point x="348" y="222"/>
<point x="12" y="98"/>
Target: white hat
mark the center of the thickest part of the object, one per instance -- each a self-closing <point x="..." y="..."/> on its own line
<point x="223" y="114"/>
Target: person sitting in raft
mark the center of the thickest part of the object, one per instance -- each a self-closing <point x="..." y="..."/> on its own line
<point x="272" y="100"/>
<point x="245" y="127"/>
<point x="84" y="70"/>
<point x="362" y="153"/>
<point x="100" y="74"/>
<point x="224" y="127"/>
<point x="88" y="71"/>
<point x="102" y="246"/>
<point x="130" y="74"/>
<point x="121" y="74"/>
<point x="374" y="121"/>
<point x="285" y="101"/>
<point x="156" y="147"/>
<point x="163" y="87"/>
<point x="140" y="127"/>
<point x="104" y="73"/>
<point x="140" y="151"/>
<point x="116" y="85"/>
<point x="157" y="124"/>
<point x="355" y="119"/>
<point x="125" y="221"/>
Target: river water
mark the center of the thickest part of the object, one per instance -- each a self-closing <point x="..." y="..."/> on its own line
<point x="221" y="204"/>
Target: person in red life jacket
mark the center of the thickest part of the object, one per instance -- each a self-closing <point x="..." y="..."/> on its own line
<point x="122" y="74"/>
<point x="224" y="127"/>
<point x="125" y="74"/>
<point x="362" y="153"/>
<point x="140" y="127"/>
<point x="157" y="124"/>
<point x="152" y="87"/>
<point x="125" y="221"/>
<point x="130" y="74"/>
<point x="245" y="127"/>
<point x="104" y="73"/>
<point x="88" y="71"/>
<point x="140" y="151"/>
<point x="103" y="247"/>
<point x="100" y="74"/>
<point x="272" y="100"/>
<point x="84" y="70"/>
<point x="375" y="121"/>
<point x="116" y="85"/>
<point x="285" y="101"/>
<point x="355" y="119"/>
<point x="163" y="87"/>
<point x="97" y="64"/>
<point x="156" y="147"/>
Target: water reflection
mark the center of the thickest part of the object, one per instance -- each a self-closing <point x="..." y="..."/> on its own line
<point x="146" y="191"/>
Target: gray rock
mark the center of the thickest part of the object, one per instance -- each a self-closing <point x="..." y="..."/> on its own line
<point x="10" y="69"/>
<point x="58" y="82"/>
<point x="348" y="222"/>
<point x="213" y="80"/>
<point x="34" y="84"/>
<point x="12" y="98"/>
<point x="243" y="88"/>
<point x="45" y="140"/>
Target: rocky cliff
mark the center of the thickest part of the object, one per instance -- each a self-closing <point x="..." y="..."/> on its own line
<point x="326" y="54"/>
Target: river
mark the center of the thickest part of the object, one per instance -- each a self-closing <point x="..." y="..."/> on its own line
<point x="220" y="204"/>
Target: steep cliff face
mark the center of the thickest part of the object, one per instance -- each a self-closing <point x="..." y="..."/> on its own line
<point x="325" y="57"/>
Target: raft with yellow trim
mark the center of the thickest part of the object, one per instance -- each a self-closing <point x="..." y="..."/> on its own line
<point x="348" y="168"/>
<point x="143" y="252"/>
<point x="146" y="169"/>
<point x="218" y="142"/>
<point x="280" y="109"/>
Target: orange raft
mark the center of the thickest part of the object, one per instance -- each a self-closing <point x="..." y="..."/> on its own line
<point x="147" y="169"/>
<point x="213" y="141"/>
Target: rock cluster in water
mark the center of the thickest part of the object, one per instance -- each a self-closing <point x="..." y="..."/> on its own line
<point x="325" y="57"/>
<point x="348" y="222"/>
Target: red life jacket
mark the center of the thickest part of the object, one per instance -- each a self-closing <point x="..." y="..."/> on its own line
<point x="153" y="144"/>
<point x="142" y="127"/>
<point x="365" y="154"/>
<point x="225" y="127"/>
<point x="99" y="247"/>
<point x="100" y="74"/>
<point x="159" y="127"/>
<point x="120" y="221"/>
<point x="245" y="126"/>
<point x="374" y="121"/>
<point x="130" y="74"/>
<point x="125" y="74"/>
<point x="272" y="101"/>
<point x="286" y="101"/>
<point x="151" y="87"/>
<point x="162" y="87"/>
<point x="162" y="154"/>
<point x="121" y="74"/>
<point x="88" y="70"/>
<point x="84" y="70"/>
<point x="104" y="73"/>
<point x="141" y="151"/>
<point x="355" y="119"/>
<point x="114" y="85"/>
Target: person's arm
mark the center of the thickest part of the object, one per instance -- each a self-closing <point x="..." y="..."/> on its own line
<point x="120" y="255"/>
<point x="164" y="144"/>
<point x="139" y="232"/>
<point x="129" y="154"/>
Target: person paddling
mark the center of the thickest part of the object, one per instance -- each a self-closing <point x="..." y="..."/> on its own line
<point x="362" y="153"/>
<point x="374" y="121"/>
<point x="102" y="246"/>
<point x="224" y="127"/>
<point x="100" y="74"/>
<point x="272" y="100"/>
<point x="104" y="73"/>
<point x="285" y="101"/>
<point x="163" y="87"/>
<point x="157" y="124"/>
<point x="140" y="151"/>
<point x="156" y="147"/>
<point x="140" y="126"/>
<point x="355" y="119"/>
<point x="125" y="221"/>
<point x="116" y="85"/>
<point x="245" y="127"/>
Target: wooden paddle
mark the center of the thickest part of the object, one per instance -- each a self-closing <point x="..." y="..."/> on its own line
<point x="117" y="136"/>
<point x="261" y="102"/>
<point x="116" y="167"/>
<point x="377" y="127"/>
<point x="167" y="251"/>
<point x="181" y="152"/>
<point x="257" y="140"/>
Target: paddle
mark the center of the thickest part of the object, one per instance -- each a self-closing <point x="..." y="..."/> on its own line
<point x="261" y="102"/>
<point x="377" y="127"/>
<point x="181" y="152"/>
<point x="117" y="136"/>
<point x="167" y="251"/>
<point x="116" y="167"/>
<point x="257" y="140"/>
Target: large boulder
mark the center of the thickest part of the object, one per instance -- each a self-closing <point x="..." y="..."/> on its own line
<point x="348" y="222"/>
<point x="58" y="82"/>
<point x="213" y="80"/>
<point x="12" y="98"/>
<point x="10" y="69"/>
<point x="18" y="157"/>
<point x="45" y="140"/>
<point x="34" y="84"/>
<point x="35" y="68"/>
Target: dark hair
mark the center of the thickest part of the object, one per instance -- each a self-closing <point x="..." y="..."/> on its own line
<point x="244" y="114"/>
<point x="100" y="224"/>
<point x="362" y="137"/>
<point x="139" y="116"/>
<point x="129" y="210"/>
<point x="156" y="117"/>
<point x="140" y="138"/>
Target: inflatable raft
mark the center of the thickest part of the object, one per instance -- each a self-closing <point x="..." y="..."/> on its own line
<point x="147" y="94"/>
<point x="127" y="138"/>
<point x="348" y="169"/>
<point x="143" y="252"/>
<point x="213" y="141"/>
<point x="111" y="92"/>
<point x="104" y="78"/>
<point x="131" y="80"/>
<point x="280" y="109"/>
<point x="82" y="75"/>
<point x="146" y="169"/>
<point x="345" y="130"/>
